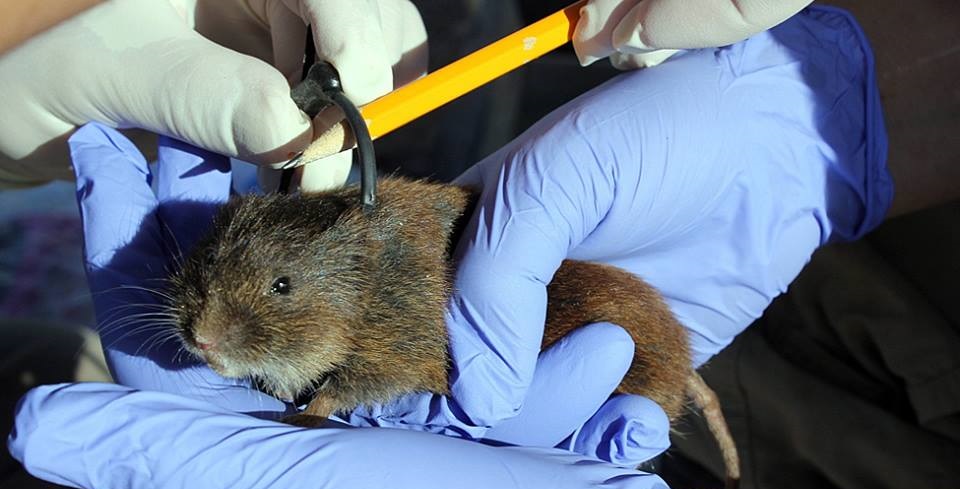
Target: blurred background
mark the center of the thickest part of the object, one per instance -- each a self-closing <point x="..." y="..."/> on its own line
<point x="850" y="380"/>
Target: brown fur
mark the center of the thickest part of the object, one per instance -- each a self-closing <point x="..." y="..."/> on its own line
<point x="583" y="293"/>
<point x="364" y="318"/>
<point x="363" y="322"/>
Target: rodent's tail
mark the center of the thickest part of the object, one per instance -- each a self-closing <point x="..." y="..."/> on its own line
<point x="583" y="293"/>
<point x="705" y="399"/>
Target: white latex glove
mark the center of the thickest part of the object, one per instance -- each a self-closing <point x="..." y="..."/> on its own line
<point x="641" y="33"/>
<point x="199" y="71"/>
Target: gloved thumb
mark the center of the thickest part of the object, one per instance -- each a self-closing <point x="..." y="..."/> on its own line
<point x="136" y="64"/>
<point x="593" y="37"/>
<point x="612" y="28"/>
<point x="225" y="102"/>
<point x="627" y="430"/>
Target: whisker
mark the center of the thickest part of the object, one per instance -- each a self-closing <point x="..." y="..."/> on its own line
<point x="156" y="318"/>
<point x="176" y="255"/>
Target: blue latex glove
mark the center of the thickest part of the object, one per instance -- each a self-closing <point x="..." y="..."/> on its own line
<point x="713" y="176"/>
<point x="133" y="238"/>
<point x="100" y="436"/>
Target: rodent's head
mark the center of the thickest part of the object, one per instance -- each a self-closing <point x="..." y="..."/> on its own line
<point x="275" y="289"/>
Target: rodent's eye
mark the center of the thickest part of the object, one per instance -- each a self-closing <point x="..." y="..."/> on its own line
<point x="280" y="286"/>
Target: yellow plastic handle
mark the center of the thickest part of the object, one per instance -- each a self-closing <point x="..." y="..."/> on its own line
<point x="413" y="100"/>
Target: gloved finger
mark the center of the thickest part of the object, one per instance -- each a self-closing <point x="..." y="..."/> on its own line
<point x="364" y="42"/>
<point x="653" y="24"/>
<point x="542" y="195"/>
<point x="342" y="47"/>
<point x="578" y="373"/>
<point x="123" y="241"/>
<point x="193" y="89"/>
<point x="401" y="28"/>
<point x="405" y="30"/>
<point x="627" y="36"/>
<point x="236" y="105"/>
<point x="115" y="198"/>
<point x="71" y="434"/>
<point x="327" y="173"/>
<point x="351" y="39"/>
<point x="189" y="177"/>
<point x="624" y="61"/>
<point x="573" y="379"/>
<point x="324" y="174"/>
<point x="288" y="35"/>
<point x="627" y="430"/>
<point x="572" y="391"/>
<point x="268" y="179"/>
<point x="363" y="58"/>
<point x="123" y="244"/>
<point x="593" y="34"/>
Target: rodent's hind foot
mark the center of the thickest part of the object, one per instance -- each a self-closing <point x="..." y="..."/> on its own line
<point x="305" y="420"/>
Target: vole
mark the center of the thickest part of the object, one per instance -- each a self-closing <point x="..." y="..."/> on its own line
<point x="309" y="293"/>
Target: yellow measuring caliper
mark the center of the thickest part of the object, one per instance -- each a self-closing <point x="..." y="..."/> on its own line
<point x="419" y="97"/>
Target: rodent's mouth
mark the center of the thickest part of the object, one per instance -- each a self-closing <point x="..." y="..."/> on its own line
<point x="214" y="363"/>
<point x="220" y="366"/>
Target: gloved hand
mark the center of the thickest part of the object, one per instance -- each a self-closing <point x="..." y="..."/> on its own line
<point x="133" y="239"/>
<point x="637" y="34"/>
<point x="713" y="177"/>
<point x="95" y="436"/>
<point x="141" y="64"/>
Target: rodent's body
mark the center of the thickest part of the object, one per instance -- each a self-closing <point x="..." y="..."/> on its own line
<point x="361" y="320"/>
<point x="583" y="293"/>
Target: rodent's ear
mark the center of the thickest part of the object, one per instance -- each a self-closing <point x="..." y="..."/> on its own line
<point x="454" y="206"/>
<point x="228" y="211"/>
<point x="323" y="212"/>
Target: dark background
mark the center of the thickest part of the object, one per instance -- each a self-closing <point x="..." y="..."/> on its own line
<point x="447" y="141"/>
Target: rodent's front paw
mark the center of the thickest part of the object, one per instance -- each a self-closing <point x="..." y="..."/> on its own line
<point x="304" y="420"/>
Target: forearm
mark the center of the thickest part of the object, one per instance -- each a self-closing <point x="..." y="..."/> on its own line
<point x="21" y="20"/>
